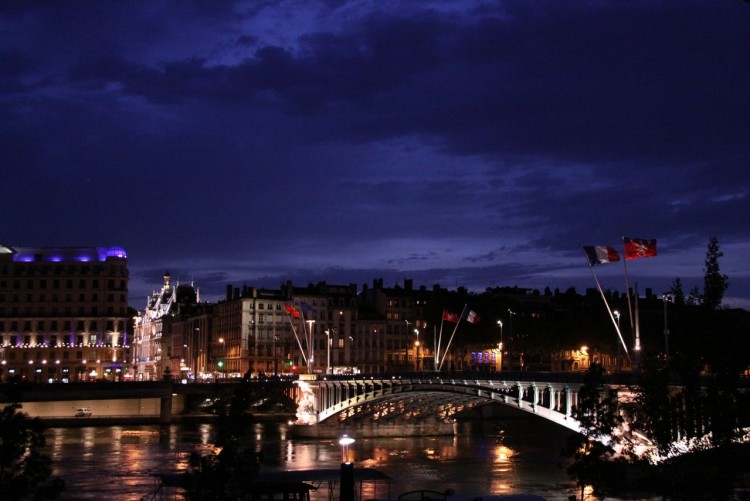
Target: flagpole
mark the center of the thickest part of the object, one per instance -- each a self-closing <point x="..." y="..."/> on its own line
<point x="627" y="284"/>
<point x="434" y="344"/>
<point x="609" y="310"/>
<point x="439" y="342"/>
<point x="637" y="331"/>
<point x="448" y="347"/>
<point x="299" y="343"/>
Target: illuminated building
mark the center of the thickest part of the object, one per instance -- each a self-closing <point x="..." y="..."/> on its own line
<point x="63" y="313"/>
<point x="157" y="353"/>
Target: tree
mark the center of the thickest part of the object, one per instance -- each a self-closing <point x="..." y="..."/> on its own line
<point x="654" y="406"/>
<point x="714" y="283"/>
<point x="591" y="449"/>
<point x="678" y="292"/>
<point x="231" y="470"/>
<point x="24" y="471"/>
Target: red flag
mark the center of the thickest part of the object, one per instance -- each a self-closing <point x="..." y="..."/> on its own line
<point x="291" y="311"/>
<point x="450" y="317"/>
<point x="637" y="247"/>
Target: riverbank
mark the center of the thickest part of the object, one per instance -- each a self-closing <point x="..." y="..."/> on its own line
<point x="75" y="422"/>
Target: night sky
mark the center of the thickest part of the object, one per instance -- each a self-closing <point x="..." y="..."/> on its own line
<point x="465" y="143"/>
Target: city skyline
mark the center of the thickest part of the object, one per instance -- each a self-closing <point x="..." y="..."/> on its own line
<point x="458" y="143"/>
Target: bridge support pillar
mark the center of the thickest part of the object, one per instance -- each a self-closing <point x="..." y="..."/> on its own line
<point x="552" y="397"/>
<point x="165" y="412"/>
<point x="520" y="394"/>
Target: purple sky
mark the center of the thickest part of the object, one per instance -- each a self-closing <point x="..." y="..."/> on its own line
<point x="454" y="142"/>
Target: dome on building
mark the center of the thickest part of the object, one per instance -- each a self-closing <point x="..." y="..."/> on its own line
<point x="116" y="252"/>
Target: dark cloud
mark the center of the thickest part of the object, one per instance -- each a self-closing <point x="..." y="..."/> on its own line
<point x="466" y="143"/>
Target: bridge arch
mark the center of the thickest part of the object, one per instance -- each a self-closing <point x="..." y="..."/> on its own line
<point x="376" y="398"/>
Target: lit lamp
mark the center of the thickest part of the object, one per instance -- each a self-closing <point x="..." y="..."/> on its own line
<point x="328" y="356"/>
<point x="223" y="363"/>
<point x="347" y="470"/>
<point x="345" y="441"/>
<point x="500" y="348"/>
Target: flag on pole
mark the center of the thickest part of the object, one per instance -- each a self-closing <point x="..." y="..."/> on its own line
<point x="291" y="311"/>
<point x="638" y="247"/>
<point x="306" y="307"/>
<point x="472" y="317"/>
<point x="450" y="317"/>
<point x="598" y="254"/>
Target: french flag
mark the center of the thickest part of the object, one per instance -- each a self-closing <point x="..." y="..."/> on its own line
<point x="472" y="317"/>
<point x="598" y="254"/>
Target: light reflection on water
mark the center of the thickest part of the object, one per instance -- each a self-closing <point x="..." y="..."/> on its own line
<point x="500" y="457"/>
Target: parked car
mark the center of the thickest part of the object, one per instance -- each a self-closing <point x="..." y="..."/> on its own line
<point x="83" y="412"/>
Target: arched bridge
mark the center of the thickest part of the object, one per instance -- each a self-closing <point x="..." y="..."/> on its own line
<point x="413" y="397"/>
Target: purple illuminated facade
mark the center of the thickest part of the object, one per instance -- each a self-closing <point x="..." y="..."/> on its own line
<point x="64" y="314"/>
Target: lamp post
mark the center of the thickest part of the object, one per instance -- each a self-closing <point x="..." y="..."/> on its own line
<point x="619" y="344"/>
<point x="328" y="354"/>
<point x="406" y="345"/>
<point x="500" y="347"/>
<point x="416" y="351"/>
<point x="311" y="348"/>
<point x="510" y="333"/>
<point x="665" y="299"/>
<point x="347" y="470"/>
<point x="194" y="352"/>
<point x="275" y="354"/>
<point x="224" y="356"/>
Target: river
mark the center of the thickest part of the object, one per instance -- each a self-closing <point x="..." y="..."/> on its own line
<point x="488" y="457"/>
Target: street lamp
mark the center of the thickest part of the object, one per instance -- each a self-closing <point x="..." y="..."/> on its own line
<point x="665" y="299"/>
<point x="195" y="341"/>
<point x="310" y="348"/>
<point x="510" y="333"/>
<point x="328" y="346"/>
<point x="406" y="344"/>
<point x="346" y="492"/>
<point x="619" y="344"/>
<point x="500" y="347"/>
<point x="417" y="350"/>
<point x="223" y="362"/>
<point x="275" y="354"/>
<point x="345" y="441"/>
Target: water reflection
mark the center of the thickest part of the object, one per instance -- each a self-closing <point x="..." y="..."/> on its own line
<point x="485" y="458"/>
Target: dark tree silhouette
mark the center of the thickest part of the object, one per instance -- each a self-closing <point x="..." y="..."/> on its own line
<point x="714" y="283"/>
<point x="590" y="450"/>
<point x="24" y="471"/>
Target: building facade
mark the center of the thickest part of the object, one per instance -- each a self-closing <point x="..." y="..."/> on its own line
<point x="64" y="314"/>
<point x="157" y="353"/>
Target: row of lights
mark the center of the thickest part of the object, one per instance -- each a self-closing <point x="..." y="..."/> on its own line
<point x="44" y="362"/>
<point x="65" y="345"/>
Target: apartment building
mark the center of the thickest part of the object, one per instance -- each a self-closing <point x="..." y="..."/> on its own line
<point x="64" y="314"/>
